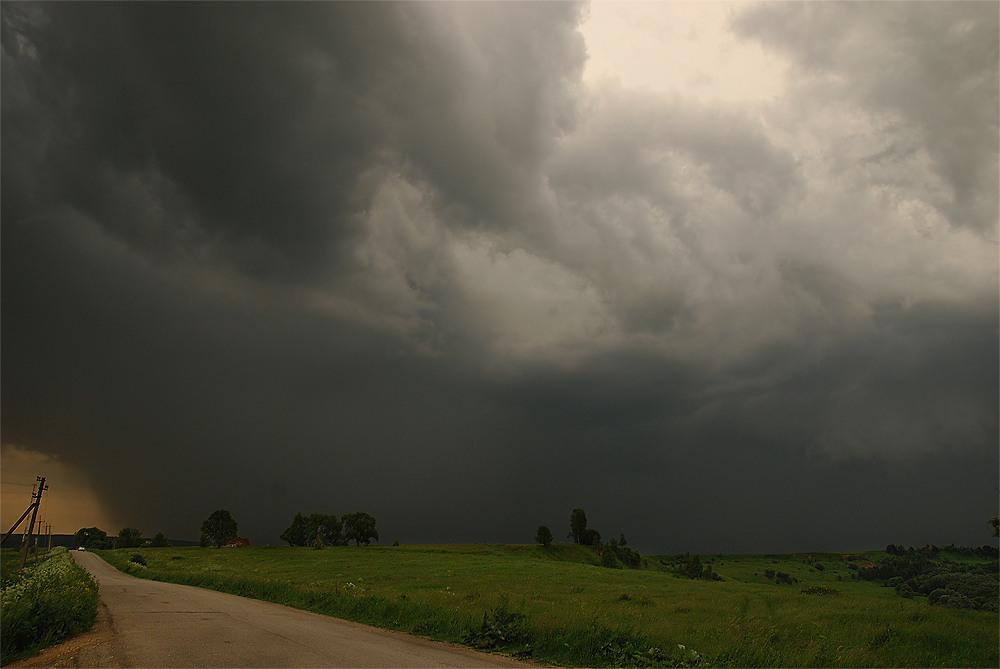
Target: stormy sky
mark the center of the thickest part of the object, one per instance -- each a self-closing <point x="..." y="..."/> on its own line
<point x="723" y="275"/>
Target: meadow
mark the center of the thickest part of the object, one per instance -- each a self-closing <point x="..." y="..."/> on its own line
<point x="557" y="605"/>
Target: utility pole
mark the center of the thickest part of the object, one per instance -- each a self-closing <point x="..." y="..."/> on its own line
<point x="37" y="498"/>
<point x="23" y="516"/>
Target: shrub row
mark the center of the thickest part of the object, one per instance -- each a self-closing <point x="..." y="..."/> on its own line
<point x="950" y="584"/>
<point x="49" y="602"/>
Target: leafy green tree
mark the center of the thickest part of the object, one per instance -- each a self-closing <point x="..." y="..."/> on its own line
<point x="160" y="541"/>
<point x="577" y="525"/>
<point x="327" y="528"/>
<point x="295" y="535"/>
<point x="220" y="527"/>
<point x="360" y="528"/>
<point x="591" y="538"/>
<point x="129" y="537"/>
<point x="304" y="530"/>
<point x="543" y="536"/>
<point x="91" y="537"/>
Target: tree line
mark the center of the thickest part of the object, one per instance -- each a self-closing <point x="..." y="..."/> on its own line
<point x="128" y="537"/>
<point x="220" y="528"/>
<point x="323" y="529"/>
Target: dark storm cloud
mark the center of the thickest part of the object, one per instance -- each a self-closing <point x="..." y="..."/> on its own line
<point x="396" y="257"/>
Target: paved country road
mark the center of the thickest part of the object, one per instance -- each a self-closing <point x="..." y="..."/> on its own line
<point x="151" y="624"/>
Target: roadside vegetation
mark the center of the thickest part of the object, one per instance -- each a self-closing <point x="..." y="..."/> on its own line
<point x="556" y="604"/>
<point x="44" y="604"/>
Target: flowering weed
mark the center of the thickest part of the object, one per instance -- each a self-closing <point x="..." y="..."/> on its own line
<point x="49" y="602"/>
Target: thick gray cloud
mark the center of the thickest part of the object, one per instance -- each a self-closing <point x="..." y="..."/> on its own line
<point x="398" y="257"/>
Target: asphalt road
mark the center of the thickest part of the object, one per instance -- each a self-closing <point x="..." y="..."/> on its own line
<point x="151" y="624"/>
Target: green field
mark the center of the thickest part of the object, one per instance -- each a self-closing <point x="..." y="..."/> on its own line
<point x="557" y="605"/>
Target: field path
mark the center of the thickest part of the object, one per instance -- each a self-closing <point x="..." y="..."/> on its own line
<point x="152" y="624"/>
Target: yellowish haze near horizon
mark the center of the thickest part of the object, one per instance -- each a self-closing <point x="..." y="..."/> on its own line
<point x="69" y="503"/>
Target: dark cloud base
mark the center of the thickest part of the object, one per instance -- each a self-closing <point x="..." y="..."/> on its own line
<point x="182" y="181"/>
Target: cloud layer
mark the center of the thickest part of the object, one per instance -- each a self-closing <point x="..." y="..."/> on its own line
<point x="401" y="258"/>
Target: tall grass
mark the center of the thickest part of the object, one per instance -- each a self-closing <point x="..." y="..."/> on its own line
<point x="48" y="603"/>
<point x="560" y="607"/>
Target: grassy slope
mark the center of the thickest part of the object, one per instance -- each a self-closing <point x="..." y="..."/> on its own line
<point x="745" y="620"/>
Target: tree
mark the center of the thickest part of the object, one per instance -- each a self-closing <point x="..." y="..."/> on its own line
<point x="995" y="522"/>
<point x="160" y="541"/>
<point x="295" y="535"/>
<point x="91" y="537"/>
<point x="327" y="528"/>
<point x="591" y="538"/>
<point x="543" y="536"/>
<point x="360" y="528"/>
<point x="129" y="537"/>
<point x="577" y="525"/>
<point x="304" y="530"/>
<point x="220" y="527"/>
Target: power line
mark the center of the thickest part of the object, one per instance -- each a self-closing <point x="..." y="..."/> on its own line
<point x="11" y="471"/>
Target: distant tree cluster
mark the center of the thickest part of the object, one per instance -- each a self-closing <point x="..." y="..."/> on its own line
<point x="780" y="577"/>
<point x="321" y="529"/>
<point x="128" y="537"/>
<point x="928" y="572"/>
<point x="92" y="537"/>
<point x="690" y="566"/>
<point x="931" y="551"/>
<point x="579" y="532"/>
<point x="615" y="554"/>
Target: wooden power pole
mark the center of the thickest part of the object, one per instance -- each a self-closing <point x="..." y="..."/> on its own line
<point x="34" y="512"/>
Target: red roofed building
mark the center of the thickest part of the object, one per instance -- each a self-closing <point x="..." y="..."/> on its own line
<point x="238" y="542"/>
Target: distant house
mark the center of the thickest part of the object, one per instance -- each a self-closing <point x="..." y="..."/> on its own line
<point x="238" y="542"/>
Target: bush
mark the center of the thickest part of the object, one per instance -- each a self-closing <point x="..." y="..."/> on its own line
<point x="691" y="568"/>
<point x="609" y="560"/>
<point x="49" y="603"/>
<point x="160" y="541"/>
<point x="820" y="590"/>
<point x="957" y="585"/>
<point x="138" y="559"/>
<point x="129" y="537"/>
<point x="502" y="630"/>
